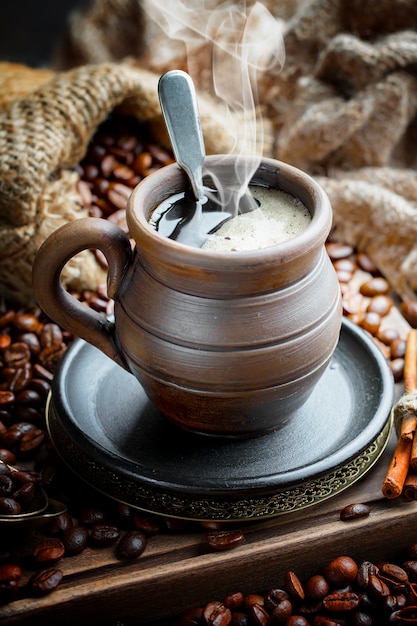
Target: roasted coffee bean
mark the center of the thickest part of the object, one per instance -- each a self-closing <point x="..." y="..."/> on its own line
<point x="216" y="614"/>
<point x="253" y="598"/>
<point x="29" y="397"/>
<point x="7" y="398"/>
<point x="60" y="524"/>
<point x="365" y="569"/>
<point x="10" y="571"/>
<point x="365" y="263"/>
<point x="337" y="250"/>
<point x="259" y="615"/>
<point x="42" y="388"/>
<point x="395" y="602"/>
<point x="27" y="476"/>
<point x="408" y="615"/>
<point x="16" y="355"/>
<point x="6" y="485"/>
<point x="387" y="335"/>
<point x="18" y="378"/>
<point x="42" y="372"/>
<point x="104" y="535"/>
<point x="50" y="335"/>
<point x="411" y="568"/>
<point x="371" y="322"/>
<point x="234" y="601"/>
<point x="75" y="540"/>
<point x="375" y="287"/>
<point x="397" y="369"/>
<point x="377" y="589"/>
<point x="25" y="494"/>
<point x="316" y="587"/>
<point x="131" y="545"/>
<point x="118" y="194"/>
<point x="344" y="265"/>
<point x="9" y="506"/>
<point x="220" y="540"/>
<point x="397" y="347"/>
<point x="274" y="597"/>
<point x="48" y="551"/>
<point x="31" y="441"/>
<point x="51" y="355"/>
<point x="282" y="612"/>
<point x="294" y="586"/>
<point x="409" y="311"/>
<point x="393" y="575"/>
<point x="380" y="304"/>
<point x="7" y="456"/>
<point x="354" y="511"/>
<point x="353" y="304"/>
<point x="27" y="323"/>
<point x="45" y="581"/>
<point x="142" y="163"/>
<point x="341" y="571"/>
<point x="341" y="601"/>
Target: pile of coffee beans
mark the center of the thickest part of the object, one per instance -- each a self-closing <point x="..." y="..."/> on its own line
<point x="31" y="347"/>
<point x="367" y="303"/>
<point x="344" y="593"/>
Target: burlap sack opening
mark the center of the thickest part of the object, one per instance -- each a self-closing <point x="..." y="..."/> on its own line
<point x="46" y="123"/>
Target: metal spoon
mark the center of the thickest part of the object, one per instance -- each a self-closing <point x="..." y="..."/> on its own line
<point x="180" y="109"/>
<point x="37" y="506"/>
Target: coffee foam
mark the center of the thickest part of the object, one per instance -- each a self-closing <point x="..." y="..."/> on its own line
<point x="279" y="218"/>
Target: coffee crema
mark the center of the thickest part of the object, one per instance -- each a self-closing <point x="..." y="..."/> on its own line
<point x="279" y="218"/>
<point x="264" y="218"/>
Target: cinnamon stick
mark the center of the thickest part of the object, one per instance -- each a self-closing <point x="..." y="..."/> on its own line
<point x="413" y="458"/>
<point x="409" y="493"/>
<point x="404" y="460"/>
<point x="408" y="425"/>
<point x="410" y="362"/>
<point x="398" y="469"/>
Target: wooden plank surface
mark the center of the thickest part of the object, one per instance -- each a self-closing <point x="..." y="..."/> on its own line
<point x="176" y="571"/>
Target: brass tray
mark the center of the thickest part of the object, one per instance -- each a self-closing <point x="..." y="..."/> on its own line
<point x="105" y="428"/>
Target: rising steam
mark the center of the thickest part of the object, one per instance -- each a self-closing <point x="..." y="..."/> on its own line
<point x="245" y="42"/>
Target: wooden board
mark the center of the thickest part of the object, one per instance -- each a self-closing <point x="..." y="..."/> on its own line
<point x="176" y="572"/>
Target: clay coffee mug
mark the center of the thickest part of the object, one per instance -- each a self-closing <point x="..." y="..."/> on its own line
<point x="226" y="344"/>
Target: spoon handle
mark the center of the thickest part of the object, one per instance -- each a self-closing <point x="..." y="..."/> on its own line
<point x="179" y="106"/>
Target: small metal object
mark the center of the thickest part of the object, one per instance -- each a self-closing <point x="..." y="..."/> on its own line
<point x="39" y="511"/>
<point x="180" y="109"/>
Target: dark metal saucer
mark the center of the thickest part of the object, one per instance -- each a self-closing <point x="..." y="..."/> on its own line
<point x="105" y="428"/>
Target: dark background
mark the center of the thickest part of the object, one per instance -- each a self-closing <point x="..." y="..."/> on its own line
<point x="31" y="29"/>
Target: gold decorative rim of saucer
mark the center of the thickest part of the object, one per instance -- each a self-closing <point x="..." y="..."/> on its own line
<point x="212" y="508"/>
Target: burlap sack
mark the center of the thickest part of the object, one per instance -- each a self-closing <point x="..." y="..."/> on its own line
<point x="46" y="122"/>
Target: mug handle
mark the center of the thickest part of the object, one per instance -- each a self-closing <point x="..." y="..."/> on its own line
<point x="57" y="303"/>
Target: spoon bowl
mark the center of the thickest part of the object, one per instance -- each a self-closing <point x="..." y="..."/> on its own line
<point x="34" y="518"/>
